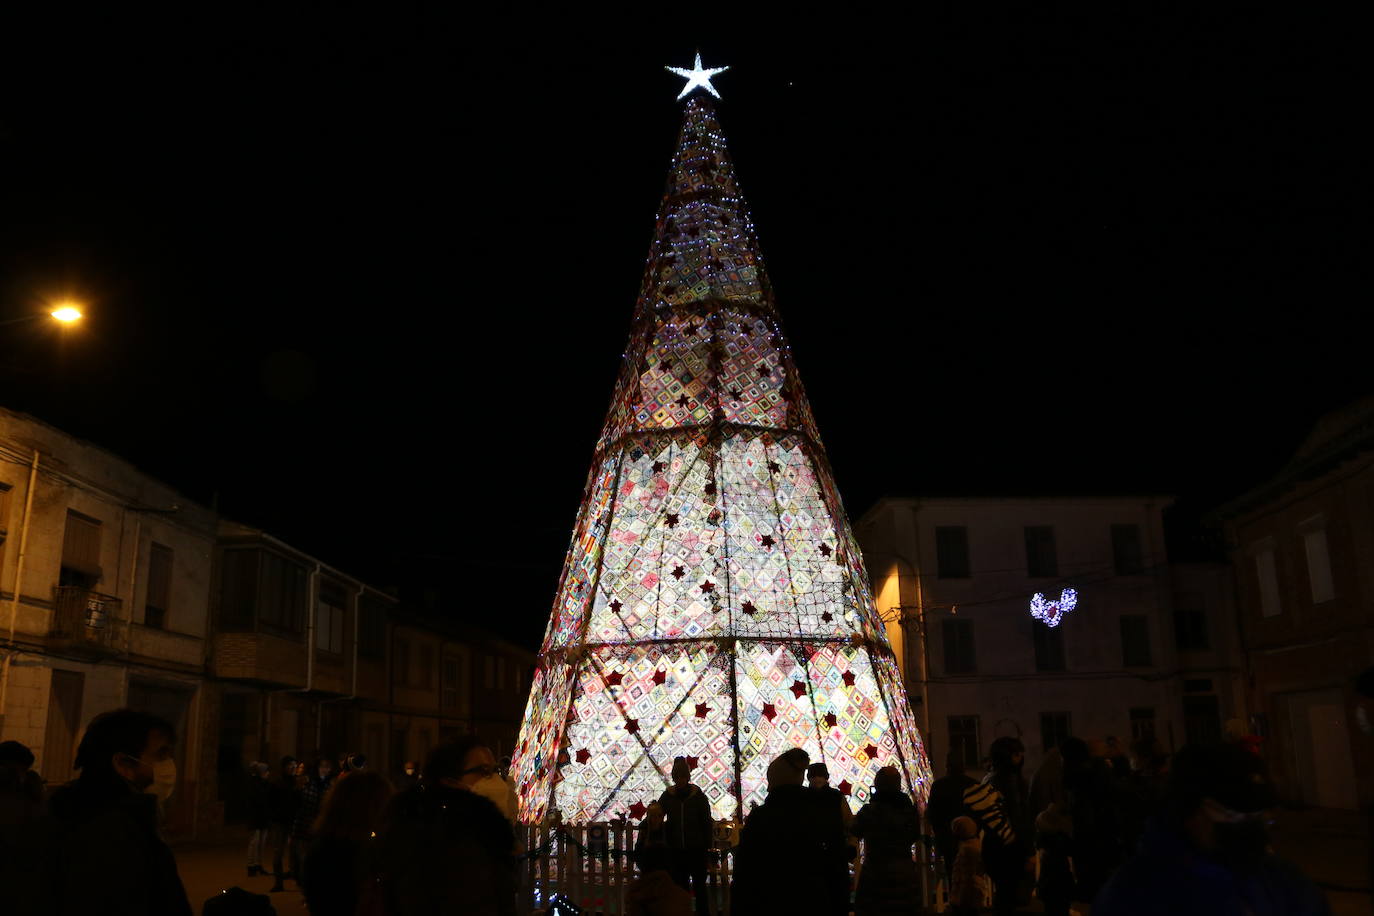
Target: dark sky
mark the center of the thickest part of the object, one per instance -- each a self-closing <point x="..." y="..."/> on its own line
<point x="366" y="275"/>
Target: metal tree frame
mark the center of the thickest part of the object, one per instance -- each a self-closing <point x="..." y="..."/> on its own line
<point x="711" y="562"/>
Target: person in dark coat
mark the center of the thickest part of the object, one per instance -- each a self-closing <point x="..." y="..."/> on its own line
<point x="410" y="776"/>
<point x="889" y="882"/>
<point x="687" y="825"/>
<point x="442" y="847"/>
<point x="945" y="804"/>
<point x="653" y="832"/>
<point x="110" y="858"/>
<point x="1054" y="881"/>
<point x="1207" y="852"/>
<point x="654" y="892"/>
<point x="257" y="799"/>
<point x="283" y="801"/>
<point x="1094" y="806"/>
<point x="780" y="860"/>
<point x="834" y="816"/>
<point x="303" y="826"/>
<point x="341" y="866"/>
<point x="26" y="835"/>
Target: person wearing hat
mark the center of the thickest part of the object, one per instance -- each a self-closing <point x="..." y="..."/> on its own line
<point x="965" y="894"/>
<point x="833" y="819"/>
<point x="1207" y="852"/>
<point x="687" y="826"/>
<point x="780" y="859"/>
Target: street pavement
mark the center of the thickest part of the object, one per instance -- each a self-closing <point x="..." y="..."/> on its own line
<point x="209" y="868"/>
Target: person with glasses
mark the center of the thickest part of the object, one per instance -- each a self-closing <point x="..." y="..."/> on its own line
<point x="110" y="858"/>
<point x="443" y="846"/>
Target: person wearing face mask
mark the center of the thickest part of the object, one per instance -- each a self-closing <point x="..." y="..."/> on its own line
<point x="109" y="857"/>
<point x="410" y="776"/>
<point x="445" y="847"/>
<point x="1207" y="851"/>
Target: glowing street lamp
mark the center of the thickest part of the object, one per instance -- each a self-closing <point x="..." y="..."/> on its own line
<point x="67" y="313"/>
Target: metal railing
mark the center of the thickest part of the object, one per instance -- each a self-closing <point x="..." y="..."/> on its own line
<point x="81" y="617"/>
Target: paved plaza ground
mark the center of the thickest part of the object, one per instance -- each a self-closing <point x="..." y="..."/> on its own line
<point x="1331" y="847"/>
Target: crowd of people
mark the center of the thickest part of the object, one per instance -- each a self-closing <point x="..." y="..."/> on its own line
<point x="1133" y="830"/>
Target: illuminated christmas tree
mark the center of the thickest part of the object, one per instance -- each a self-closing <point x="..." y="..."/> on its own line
<point x="713" y="603"/>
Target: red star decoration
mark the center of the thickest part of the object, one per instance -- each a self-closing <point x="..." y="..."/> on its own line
<point x="845" y="787"/>
<point x="798" y="689"/>
<point x="658" y="467"/>
<point x="702" y="710"/>
<point x="707" y="587"/>
<point x="660" y="676"/>
<point x="773" y="467"/>
<point x="825" y="549"/>
<point x="872" y="752"/>
<point x="830" y="720"/>
<point x="583" y="755"/>
<point x="714" y="516"/>
<point x="632" y="726"/>
<point x="613" y="679"/>
<point x="764" y="372"/>
<point x="769" y="711"/>
<point x="671" y="519"/>
<point x="682" y="401"/>
<point x="827" y="617"/>
<point x="767" y="540"/>
<point x="736" y="394"/>
<point x="637" y="811"/>
<point x="748" y="607"/>
<point x="616" y="605"/>
<point x="848" y="678"/>
<point x="679" y="572"/>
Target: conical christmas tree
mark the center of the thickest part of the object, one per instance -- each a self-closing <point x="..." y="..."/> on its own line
<point x="713" y="603"/>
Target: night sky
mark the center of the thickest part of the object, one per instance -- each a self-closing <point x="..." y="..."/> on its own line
<point x="364" y="278"/>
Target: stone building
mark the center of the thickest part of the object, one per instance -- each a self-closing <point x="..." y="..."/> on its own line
<point x="954" y="578"/>
<point x="1301" y="546"/>
<point x="104" y="585"/>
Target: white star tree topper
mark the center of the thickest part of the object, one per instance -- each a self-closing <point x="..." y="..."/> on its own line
<point x="698" y="76"/>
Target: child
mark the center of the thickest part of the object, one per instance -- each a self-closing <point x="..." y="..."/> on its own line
<point x="1054" y="877"/>
<point x="654" y="892"/>
<point x="965" y="891"/>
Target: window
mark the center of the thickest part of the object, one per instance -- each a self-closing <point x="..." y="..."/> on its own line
<point x="400" y="662"/>
<point x="1041" y="562"/>
<point x="1054" y="728"/>
<point x="1318" y="559"/>
<point x="963" y="739"/>
<point x="951" y="552"/>
<point x="371" y="628"/>
<point x="159" y="598"/>
<point x="427" y="666"/>
<point x="1142" y="722"/>
<point x="1126" y="553"/>
<point x="238" y="590"/>
<point x="1268" y="574"/>
<point x="500" y="671"/>
<point x="329" y="621"/>
<point x="448" y="682"/>
<point x="1190" y="629"/>
<point x="959" y="650"/>
<point x="1135" y="641"/>
<point x="282" y="594"/>
<point x="1049" y="647"/>
<point x="5" y="491"/>
<point x="80" y="552"/>
<point x="488" y="672"/>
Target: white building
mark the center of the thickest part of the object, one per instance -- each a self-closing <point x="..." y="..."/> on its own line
<point x="956" y="577"/>
<point x="104" y="586"/>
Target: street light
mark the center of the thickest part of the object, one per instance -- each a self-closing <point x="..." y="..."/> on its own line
<point x="67" y="313"/>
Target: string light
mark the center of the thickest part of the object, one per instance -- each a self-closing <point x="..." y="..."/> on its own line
<point x="699" y="77"/>
<point x="1052" y="612"/>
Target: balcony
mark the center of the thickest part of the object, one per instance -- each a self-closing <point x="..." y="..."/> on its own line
<point x="83" y="620"/>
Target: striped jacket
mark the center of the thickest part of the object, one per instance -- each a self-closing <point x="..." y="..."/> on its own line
<point x="985" y="805"/>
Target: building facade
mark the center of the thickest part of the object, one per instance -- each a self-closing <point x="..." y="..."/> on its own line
<point x="955" y="579"/>
<point x="117" y="591"/>
<point x="1302" y="549"/>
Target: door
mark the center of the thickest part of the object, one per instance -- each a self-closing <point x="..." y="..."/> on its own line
<point x="1321" y="749"/>
<point x="173" y="705"/>
<point x="64" y="717"/>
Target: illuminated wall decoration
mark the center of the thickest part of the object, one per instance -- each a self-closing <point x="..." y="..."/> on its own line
<point x="713" y="603"/>
<point x="1051" y="612"/>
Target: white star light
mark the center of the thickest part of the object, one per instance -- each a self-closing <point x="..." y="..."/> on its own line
<point x="697" y="77"/>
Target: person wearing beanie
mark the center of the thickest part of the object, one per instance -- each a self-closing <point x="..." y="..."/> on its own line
<point x="889" y="881"/>
<point x="1207" y="850"/>
<point x="780" y="860"/>
<point x="965" y="891"/>
<point x="687" y="825"/>
<point x="833" y="817"/>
